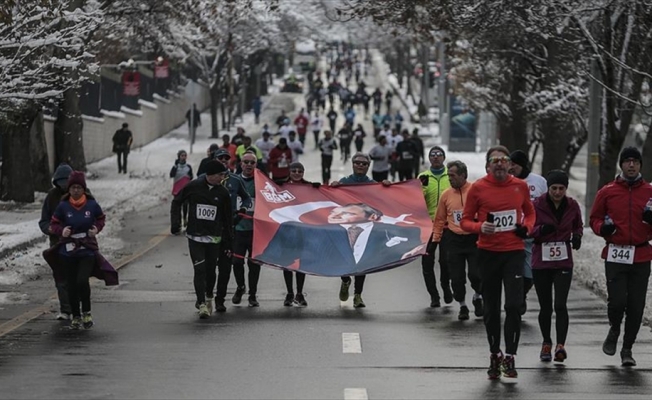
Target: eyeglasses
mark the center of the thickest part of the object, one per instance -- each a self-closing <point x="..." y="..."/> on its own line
<point x="436" y="154"/>
<point x="249" y="162"/>
<point x="363" y="163"/>
<point x="221" y="158"/>
<point x="631" y="160"/>
<point x="496" y="160"/>
<point x="297" y="171"/>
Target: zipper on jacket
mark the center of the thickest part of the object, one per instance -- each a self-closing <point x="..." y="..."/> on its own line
<point x="630" y="215"/>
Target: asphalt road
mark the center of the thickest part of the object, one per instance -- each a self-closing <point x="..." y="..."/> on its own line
<point x="149" y="343"/>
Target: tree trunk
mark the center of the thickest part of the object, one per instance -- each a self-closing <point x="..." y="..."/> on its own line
<point x="16" y="183"/>
<point x="646" y="168"/>
<point x="215" y="101"/>
<point x="512" y="130"/>
<point x="555" y="142"/>
<point x="39" y="155"/>
<point x="68" y="138"/>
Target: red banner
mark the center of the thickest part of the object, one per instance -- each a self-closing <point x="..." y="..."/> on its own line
<point x="348" y="230"/>
<point x="131" y="83"/>
<point x="162" y="70"/>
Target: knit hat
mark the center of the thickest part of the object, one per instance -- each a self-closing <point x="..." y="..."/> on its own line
<point x="519" y="158"/>
<point x="77" y="178"/>
<point x="630" y="152"/>
<point x="214" y="167"/>
<point x="297" y="165"/>
<point x="437" y="148"/>
<point x="62" y="173"/>
<point x="557" y="177"/>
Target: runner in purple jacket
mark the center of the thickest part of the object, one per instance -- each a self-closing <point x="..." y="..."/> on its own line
<point x="557" y="230"/>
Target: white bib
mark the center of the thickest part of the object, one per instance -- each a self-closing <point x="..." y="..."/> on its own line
<point x="206" y="212"/>
<point x="70" y="247"/>
<point x="554" y="251"/>
<point x="505" y="220"/>
<point x="457" y="217"/>
<point x="621" y="254"/>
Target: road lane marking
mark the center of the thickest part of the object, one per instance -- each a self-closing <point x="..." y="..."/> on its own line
<point x="355" y="394"/>
<point x="351" y="342"/>
<point x="36" y="312"/>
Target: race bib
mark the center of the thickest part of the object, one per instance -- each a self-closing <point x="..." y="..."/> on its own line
<point x="457" y="217"/>
<point x="206" y="212"/>
<point x="554" y="251"/>
<point x="505" y="220"/>
<point x="621" y="254"/>
<point x="406" y="155"/>
<point x="70" y="247"/>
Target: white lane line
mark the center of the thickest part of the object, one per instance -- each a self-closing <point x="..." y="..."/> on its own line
<point x="355" y="394"/>
<point x="351" y="342"/>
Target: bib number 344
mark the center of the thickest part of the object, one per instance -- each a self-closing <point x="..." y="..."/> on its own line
<point x="620" y="254"/>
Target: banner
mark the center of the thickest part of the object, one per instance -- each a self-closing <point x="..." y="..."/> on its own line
<point x="162" y="70"/>
<point x="131" y="83"/>
<point x="342" y="231"/>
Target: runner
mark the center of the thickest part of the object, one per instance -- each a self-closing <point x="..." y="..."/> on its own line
<point x="380" y="154"/>
<point x="500" y="202"/>
<point x="460" y="244"/>
<point x="557" y="229"/>
<point x="316" y="125"/>
<point x="326" y="147"/>
<point x="434" y="181"/>
<point x="181" y="173"/>
<point x="209" y="229"/>
<point x="622" y="214"/>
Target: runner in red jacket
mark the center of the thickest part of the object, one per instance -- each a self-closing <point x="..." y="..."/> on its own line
<point x="505" y="216"/>
<point x="622" y="214"/>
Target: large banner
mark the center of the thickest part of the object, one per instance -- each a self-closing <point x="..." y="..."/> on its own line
<point x="348" y="230"/>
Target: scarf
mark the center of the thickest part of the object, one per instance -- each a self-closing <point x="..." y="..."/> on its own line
<point x="78" y="204"/>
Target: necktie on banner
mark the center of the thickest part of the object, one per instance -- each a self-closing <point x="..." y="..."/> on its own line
<point x="316" y="230"/>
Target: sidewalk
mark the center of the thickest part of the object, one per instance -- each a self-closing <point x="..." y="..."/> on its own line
<point x="147" y="185"/>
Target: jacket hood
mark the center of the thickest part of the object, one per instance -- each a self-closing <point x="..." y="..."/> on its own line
<point x="62" y="172"/>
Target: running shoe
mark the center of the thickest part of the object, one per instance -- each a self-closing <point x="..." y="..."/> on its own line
<point x="357" y="301"/>
<point x="76" y="323"/>
<point x="626" y="358"/>
<point x="203" y="311"/>
<point x="546" y="352"/>
<point x="300" y="300"/>
<point x="209" y="304"/>
<point x="508" y="367"/>
<point x="219" y="305"/>
<point x="560" y="353"/>
<point x="464" y="313"/>
<point x="237" y="296"/>
<point x="478" y="307"/>
<point x="253" y="302"/>
<point x="448" y="294"/>
<point x="63" y="316"/>
<point x="289" y="299"/>
<point x="495" y="361"/>
<point x="611" y="342"/>
<point x="434" y="302"/>
<point x="87" y="320"/>
<point x="344" y="290"/>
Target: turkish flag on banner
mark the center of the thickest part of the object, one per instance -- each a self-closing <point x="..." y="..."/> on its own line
<point x="347" y="230"/>
<point x="131" y="83"/>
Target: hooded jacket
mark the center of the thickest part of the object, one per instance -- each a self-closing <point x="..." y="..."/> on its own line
<point x="52" y="201"/>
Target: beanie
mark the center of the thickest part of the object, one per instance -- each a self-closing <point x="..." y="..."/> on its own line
<point x="62" y="173"/>
<point x="214" y="167"/>
<point x="297" y="165"/>
<point x="77" y="178"/>
<point x="557" y="177"/>
<point x="438" y="148"/>
<point x="519" y="158"/>
<point x="630" y="152"/>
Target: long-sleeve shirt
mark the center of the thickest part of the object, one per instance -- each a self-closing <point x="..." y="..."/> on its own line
<point x="509" y="202"/>
<point x="449" y="211"/>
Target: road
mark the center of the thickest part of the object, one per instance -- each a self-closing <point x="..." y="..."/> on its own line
<point x="149" y="343"/>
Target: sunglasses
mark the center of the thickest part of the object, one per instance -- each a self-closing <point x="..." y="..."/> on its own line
<point x="496" y="160"/>
<point x="360" y="163"/>
<point x="224" y="158"/>
<point x="249" y="162"/>
<point x="436" y="154"/>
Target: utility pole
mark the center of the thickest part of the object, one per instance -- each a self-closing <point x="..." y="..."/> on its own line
<point x="425" y="85"/>
<point x="593" y="158"/>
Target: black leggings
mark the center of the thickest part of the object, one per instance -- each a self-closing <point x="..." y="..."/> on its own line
<point x="301" y="278"/>
<point x="359" y="283"/>
<point x="241" y="247"/>
<point x="326" y="163"/>
<point x="544" y="282"/>
<point x="78" y="271"/>
<point x="428" y="270"/>
<point x="204" y="260"/>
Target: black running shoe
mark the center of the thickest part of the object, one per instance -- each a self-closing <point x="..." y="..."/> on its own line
<point x="300" y="300"/>
<point x="289" y="299"/>
<point x="448" y="294"/>
<point x="626" y="358"/>
<point x="253" y="302"/>
<point x="611" y="342"/>
<point x="219" y="305"/>
<point x="434" y="302"/>
<point x="495" y="361"/>
<point x="509" y="368"/>
<point x="464" y="313"/>
<point x="237" y="296"/>
<point x="478" y="307"/>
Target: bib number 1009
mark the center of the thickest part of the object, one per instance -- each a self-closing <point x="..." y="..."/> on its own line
<point x="206" y="212"/>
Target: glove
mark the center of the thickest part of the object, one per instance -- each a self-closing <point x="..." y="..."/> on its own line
<point x="576" y="242"/>
<point x="316" y="185"/>
<point x="607" y="229"/>
<point x="424" y="180"/>
<point x="520" y="231"/>
<point x="432" y="247"/>
<point x="547" y="229"/>
<point x="647" y="216"/>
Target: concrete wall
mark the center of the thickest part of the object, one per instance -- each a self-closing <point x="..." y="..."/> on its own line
<point x="147" y="124"/>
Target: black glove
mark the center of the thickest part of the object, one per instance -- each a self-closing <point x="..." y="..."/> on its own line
<point x="316" y="185"/>
<point x="547" y="229"/>
<point x="607" y="229"/>
<point x="520" y="231"/>
<point x="432" y="247"/>
<point x="647" y="216"/>
<point x="424" y="180"/>
<point x="576" y="242"/>
<point x="175" y="230"/>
